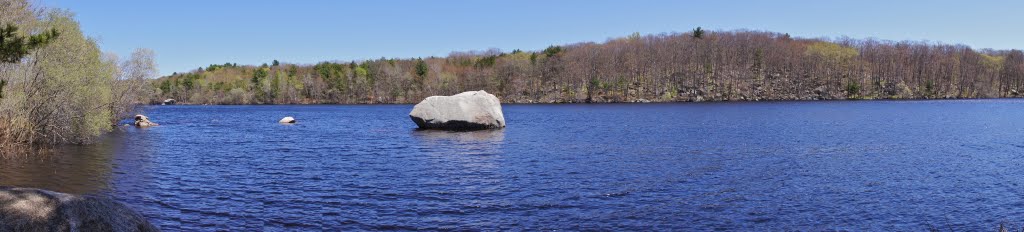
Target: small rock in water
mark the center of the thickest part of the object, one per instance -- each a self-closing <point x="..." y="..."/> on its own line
<point x="143" y="121"/>
<point x="472" y="110"/>
<point x="287" y="120"/>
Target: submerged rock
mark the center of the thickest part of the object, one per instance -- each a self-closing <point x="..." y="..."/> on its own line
<point x="472" y="110"/>
<point x="287" y="120"/>
<point x="28" y="209"/>
<point x="143" y="121"/>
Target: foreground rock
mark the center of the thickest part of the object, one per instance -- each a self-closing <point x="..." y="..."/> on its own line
<point x="28" y="209"/>
<point x="473" y="110"/>
<point x="143" y="121"/>
<point x="287" y="120"/>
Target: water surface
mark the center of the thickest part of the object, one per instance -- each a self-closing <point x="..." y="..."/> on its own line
<point x="865" y="165"/>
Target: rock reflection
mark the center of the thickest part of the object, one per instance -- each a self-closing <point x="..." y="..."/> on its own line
<point x="463" y="142"/>
<point x="463" y="163"/>
<point x="471" y="149"/>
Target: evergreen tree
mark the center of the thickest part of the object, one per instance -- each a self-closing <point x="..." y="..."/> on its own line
<point x="13" y="47"/>
<point x="698" y="33"/>
<point x="552" y="50"/>
<point x="421" y="68"/>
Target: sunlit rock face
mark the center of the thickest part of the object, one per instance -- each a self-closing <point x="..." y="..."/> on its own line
<point x="28" y="209"/>
<point x="473" y="110"/>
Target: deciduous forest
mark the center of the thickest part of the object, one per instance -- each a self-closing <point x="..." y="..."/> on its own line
<point x="56" y="86"/>
<point x="697" y="65"/>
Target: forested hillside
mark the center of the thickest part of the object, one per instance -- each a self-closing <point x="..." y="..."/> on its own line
<point x="693" y="66"/>
<point x="56" y="86"/>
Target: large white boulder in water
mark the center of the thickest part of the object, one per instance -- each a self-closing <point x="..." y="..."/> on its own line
<point x="473" y="110"/>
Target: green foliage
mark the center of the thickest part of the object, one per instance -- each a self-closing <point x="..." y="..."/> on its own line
<point x="831" y="52"/>
<point x="275" y="86"/>
<point x="292" y="70"/>
<point x="13" y="47"/>
<point x="670" y="94"/>
<point x="594" y="84"/>
<point x="852" y="89"/>
<point x="421" y="68"/>
<point x="258" y="76"/>
<point x="517" y="56"/>
<point x="188" y="83"/>
<point x="486" y="62"/>
<point x="698" y="33"/>
<point x="77" y="82"/>
<point x="736" y="65"/>
<point x="551" y="51"/>
<point x="165" y="86"/>
<point x="371" y="78"/>
<point x="276" y="63"/>
<point x="361" y="71"/>
<point x="929" y="88"/>
<point x="333" y="74"/>
<point x="992" y="62"/>
<point x="215" y="67"/>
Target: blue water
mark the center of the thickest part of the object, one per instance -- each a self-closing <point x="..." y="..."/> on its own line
<point x="861" y="165"/>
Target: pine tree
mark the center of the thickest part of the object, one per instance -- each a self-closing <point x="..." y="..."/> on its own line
<point x="698" y="33"/>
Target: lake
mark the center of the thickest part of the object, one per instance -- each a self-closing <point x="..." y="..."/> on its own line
<point x="832" y="165"/>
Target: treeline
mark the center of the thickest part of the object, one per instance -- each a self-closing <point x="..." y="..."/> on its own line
<point x="693" y="66"/>
<point x="56" y="86"/>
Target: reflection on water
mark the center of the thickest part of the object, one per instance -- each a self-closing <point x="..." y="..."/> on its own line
<point x="466" y="142"/>
<point x="72" y="169"/>
<point x="472" y="151"/>
<point x="83" y="169"/>
<point x="465" y="136"/>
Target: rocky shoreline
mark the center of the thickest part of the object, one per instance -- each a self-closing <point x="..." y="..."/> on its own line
<point x="29" y="209"/>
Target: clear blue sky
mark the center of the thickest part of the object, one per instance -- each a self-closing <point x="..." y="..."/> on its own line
<point x="187" y="34"/>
